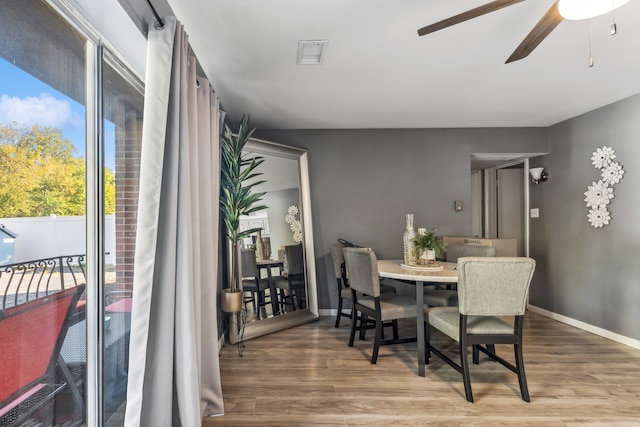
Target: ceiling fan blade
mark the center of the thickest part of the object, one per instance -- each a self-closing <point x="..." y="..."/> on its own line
<point x="465" y="16"/>
<point x="543" y="28"/>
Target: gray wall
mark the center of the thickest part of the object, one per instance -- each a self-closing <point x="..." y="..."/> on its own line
<point x="588" y="274"/>
<point x="363" y="182"/>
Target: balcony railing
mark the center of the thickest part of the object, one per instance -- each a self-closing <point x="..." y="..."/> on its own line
<point x="29" y="280"/>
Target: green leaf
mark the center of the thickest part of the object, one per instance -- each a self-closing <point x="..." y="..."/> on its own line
<point x="237" y="181"/>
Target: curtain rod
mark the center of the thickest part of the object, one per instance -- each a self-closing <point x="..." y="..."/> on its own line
<point x="159" y="22"/>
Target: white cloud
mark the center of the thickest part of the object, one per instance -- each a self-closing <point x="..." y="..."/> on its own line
<point x="44" y="110"/>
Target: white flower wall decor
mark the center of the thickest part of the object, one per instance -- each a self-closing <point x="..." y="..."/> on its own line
<point x="599" y="194"/>
<point x="294" y="223"/>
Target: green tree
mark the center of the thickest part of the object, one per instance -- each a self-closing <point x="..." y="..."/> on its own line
<point x="40" y="174"/>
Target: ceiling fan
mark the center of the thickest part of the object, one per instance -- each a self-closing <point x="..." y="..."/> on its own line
<point x="549" y="21"/>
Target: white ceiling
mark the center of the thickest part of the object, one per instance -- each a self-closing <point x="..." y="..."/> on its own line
<point x="377" y="72"/>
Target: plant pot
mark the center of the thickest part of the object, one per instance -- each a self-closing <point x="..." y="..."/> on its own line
<point x="231" y="301"/>
<point x="427" y="257"/>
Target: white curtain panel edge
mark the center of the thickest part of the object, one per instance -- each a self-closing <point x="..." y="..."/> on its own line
<point x="173" y="358"/>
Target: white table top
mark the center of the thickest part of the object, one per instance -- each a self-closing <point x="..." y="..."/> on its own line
<point x="393" y="270"/>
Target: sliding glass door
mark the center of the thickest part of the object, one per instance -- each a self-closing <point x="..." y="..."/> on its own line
<point x="70" y="132"/>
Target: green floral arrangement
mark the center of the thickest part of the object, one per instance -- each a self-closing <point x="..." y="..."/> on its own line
<point x="427" y="241"/>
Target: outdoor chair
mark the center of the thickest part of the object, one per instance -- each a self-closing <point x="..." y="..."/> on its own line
<point x="32" y="335"/>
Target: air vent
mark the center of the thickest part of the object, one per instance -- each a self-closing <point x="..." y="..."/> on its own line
<point x="310" y="52"/>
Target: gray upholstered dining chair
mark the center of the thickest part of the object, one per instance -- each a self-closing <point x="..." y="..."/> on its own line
<point x="364" y="281"/>
<point x="489" y="289"/>
<point x="453" y="252"/>
<point x="344" y="293"/>
<point x="293" y="282"/>
<point x="252" y="282"/>
<point x="434" y="296"/>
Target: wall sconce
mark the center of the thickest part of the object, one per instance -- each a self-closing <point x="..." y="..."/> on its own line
<point x="538" y="175"/>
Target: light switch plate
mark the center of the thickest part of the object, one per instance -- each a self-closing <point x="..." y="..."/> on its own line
<point x="535" y="213"/>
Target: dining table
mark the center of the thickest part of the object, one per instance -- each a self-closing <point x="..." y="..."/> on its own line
<point x="442" y="272"/>
<point x="268" y="264"/>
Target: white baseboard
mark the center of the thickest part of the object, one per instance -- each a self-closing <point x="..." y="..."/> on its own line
<point x="586" y="327"/>
<point x="331" y="312"/>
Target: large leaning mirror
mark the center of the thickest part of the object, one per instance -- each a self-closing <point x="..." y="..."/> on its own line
<point x="285" y="294"/>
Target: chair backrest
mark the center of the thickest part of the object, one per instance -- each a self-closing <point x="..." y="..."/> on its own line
<point x="295" y="259"/>
<point x="457" y="251"/>
<point x="338" y="259"/>
<point x="31" y="336"/>
<point x="362" y="268"/>
<point x="494" y="286"/>
<point x="248" y="263"/>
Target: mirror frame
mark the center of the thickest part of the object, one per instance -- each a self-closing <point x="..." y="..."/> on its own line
<point x="309" y="314"/>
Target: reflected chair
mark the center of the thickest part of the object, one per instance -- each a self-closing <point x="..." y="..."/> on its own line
<point x="343" y="282"/>
<point x="292" y="283"/>
<point x="362" y="267"/>
<point x="252" y="282"/>
<point x="488" y="290"/>
<point x="435" y="296"/>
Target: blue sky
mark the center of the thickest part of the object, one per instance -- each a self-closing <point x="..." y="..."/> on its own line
<point x="27" y="101"/>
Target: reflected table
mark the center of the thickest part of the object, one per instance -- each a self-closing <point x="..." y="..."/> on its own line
<point x="394" y="270"/>
<point x="268" y="264"/>
<point x="116" y="352"/>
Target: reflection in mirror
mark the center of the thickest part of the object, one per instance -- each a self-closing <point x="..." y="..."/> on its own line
<point x="281" y="185"/>
<point x="284" y="292"/>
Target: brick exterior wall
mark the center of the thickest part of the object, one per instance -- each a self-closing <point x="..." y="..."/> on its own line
<point x="127" y="155"/>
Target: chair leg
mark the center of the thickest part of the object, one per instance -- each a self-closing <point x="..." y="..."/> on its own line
<point x="464" y="363"/>
<point x="363" y="326"/>
<point x="376" y="341"/>
<point x="339" y="315"/>
<point x="354" y="321"/>
<point x="255" y="303"/>
<point x="395" y="329"/>
<point x="476" y="354"/>
<point x="522" y="380"/>
<point x="298" y="299"/>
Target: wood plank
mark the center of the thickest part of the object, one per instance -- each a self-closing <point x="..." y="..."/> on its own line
<point x="309" y="376"/>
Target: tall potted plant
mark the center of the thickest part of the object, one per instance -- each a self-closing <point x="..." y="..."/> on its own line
<point x="238" y="178"/>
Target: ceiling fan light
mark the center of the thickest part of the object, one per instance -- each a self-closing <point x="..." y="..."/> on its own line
<point x="585" y="9"/>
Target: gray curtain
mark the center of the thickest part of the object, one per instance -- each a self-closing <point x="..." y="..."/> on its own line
<point x="174" y="375"/>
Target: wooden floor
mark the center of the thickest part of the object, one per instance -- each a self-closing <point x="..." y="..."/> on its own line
<point x="308" y="376"/>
